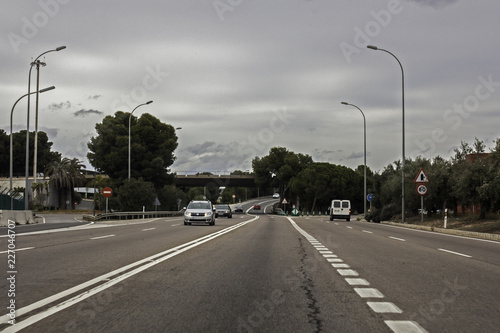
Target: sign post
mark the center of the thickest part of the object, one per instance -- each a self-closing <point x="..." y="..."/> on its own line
<point x="421" y="190"/>
<point x="107" y="192"/>
<point x="284" y="202"/>
<point x="370" y="198"/>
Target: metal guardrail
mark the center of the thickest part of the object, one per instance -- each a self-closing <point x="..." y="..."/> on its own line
<point x="130" y="215"/>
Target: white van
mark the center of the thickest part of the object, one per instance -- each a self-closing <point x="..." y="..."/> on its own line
<point x="340" y="209"/>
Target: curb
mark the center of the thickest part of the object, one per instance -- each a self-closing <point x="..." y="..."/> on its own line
<point x="473" y="234"/>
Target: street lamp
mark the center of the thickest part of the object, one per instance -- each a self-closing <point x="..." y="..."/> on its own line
<point x="129" y="119"/>
<point x="364" y="125"/>
<point x="403" y="127"/>
<point x="35" y="62"/>
<point x="11" y="154"/>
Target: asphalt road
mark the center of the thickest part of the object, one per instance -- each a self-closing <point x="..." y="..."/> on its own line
<point x="252" y="273"/>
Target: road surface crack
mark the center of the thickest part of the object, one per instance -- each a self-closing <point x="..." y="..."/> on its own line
<point x="308" y="287"/>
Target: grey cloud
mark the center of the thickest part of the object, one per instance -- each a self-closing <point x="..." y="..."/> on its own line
<point x="94" y="97"/>
<point x="84" y="113"/>
<point x="58" y="106"/>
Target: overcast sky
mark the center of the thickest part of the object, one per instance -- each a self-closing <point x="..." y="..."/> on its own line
<point x="242" y="76"/>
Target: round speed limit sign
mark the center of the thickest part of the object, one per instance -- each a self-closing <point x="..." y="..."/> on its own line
<point x="422" y="189"/>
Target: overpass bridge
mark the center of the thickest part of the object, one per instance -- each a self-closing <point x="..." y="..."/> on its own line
<point x="201" y="180"/>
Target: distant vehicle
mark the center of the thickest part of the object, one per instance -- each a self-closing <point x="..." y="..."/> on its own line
<point x="223" y="210"/>
<point x="238" y="209"/>
<point x="199" y="212"/>
<point x="276" y="195"/>
<point x="340" y="209"/>
<point x="256" y="207"/>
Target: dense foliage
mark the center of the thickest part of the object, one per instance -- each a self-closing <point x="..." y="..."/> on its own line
<point x="469" y="181"/>
<point x="45" y="154"/>
<point x="152" y="148"/>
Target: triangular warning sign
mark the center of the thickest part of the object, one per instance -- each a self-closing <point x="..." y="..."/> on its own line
<point x="284" y="201"/>
<point x="421" y="177"/>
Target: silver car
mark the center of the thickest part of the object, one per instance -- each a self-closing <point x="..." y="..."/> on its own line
<point x="199" y="212"/>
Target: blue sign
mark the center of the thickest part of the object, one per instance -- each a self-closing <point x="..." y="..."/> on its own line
<point x="370" y="197"/>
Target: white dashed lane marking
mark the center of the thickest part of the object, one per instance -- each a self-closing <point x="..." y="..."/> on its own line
<point x="357" y="282"/>
<point x="351" y="277"/>
<point x="457" y="253"/>
<point x="368" y="293"/>
<point x="384" y="307"/>
<point x="100" y="237"/>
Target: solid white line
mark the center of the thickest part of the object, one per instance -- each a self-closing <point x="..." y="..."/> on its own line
<point x="103" y="237"/>
<point x="148" y="229"/>
<point x="457" y="253"/>
<point x="175" y="225"/>
<point x="399" y="239"/>
<point x="26" y="248"/>
<point x="404" y="326"/>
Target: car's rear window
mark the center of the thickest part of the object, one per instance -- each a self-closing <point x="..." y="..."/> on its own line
<point x="345" y="204"/>
<point x="336" y="204"/>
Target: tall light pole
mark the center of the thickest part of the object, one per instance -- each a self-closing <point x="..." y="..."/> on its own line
<point x="11" y="154"/>
<point x="129" y="119"/>
<point x="26" y="201"/>
<point x="364" y="126"/>
<point x="403" y="127"/>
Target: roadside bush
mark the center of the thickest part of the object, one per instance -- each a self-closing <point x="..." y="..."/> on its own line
<point x="388" y="212"/>
<point x="373" y="216"/>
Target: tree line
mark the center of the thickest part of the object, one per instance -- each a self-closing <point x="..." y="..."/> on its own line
<point x="469" y="180"/>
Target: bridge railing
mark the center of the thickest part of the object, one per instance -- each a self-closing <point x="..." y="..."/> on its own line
<point x="130" y="215"/>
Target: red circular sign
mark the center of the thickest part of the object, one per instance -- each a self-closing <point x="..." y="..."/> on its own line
<point x="422" y="189"/>
<point x="107" y="192"/>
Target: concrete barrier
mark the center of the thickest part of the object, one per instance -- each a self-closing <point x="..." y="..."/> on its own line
<point x="19" y="216"/>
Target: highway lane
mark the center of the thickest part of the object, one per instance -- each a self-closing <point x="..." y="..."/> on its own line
<point x="261" y="276"/>
<point x="455" y="290"/>
<point x="264" y="275"/>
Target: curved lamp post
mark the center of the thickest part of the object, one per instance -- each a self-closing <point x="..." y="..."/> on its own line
<point x="403" y="127"/>
<point x="11" y="154"/>
<point x="129" y="119"/>
<point x="37" y="63"/>
<point x="364" y="126"/>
